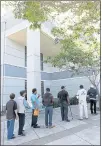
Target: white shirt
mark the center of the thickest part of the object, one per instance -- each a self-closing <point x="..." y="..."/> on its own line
<point x="81" y="95"/>
<point x="20" y="105"/>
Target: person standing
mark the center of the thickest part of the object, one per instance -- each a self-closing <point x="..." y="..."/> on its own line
<point x="92" y="93"/>
<point x="81" y="96"/>
<point x="35" y="106"/>
<point x="48" y="103"/>
<point x="64" y="101"/>
<point x="21" y="112"/>
<point x="11" y="115"/>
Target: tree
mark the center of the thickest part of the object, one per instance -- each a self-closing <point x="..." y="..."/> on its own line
<point x="77" y="28"/>
<point x="80" y="42"/>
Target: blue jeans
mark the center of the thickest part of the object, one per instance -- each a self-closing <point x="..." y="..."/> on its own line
<point x="48" y="115"/>
<point x="10" y="128"/>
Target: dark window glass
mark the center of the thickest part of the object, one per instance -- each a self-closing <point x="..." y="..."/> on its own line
<point x="25" y="84"/>
<point x="41" y="61"/>
<point x="42" y="88"/>
<point x="25" y="56"/>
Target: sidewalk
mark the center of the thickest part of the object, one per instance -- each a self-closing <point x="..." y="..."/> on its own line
<point x="86" y="132"/>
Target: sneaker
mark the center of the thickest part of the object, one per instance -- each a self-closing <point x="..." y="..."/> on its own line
<point x="67" y="120"/>
<point x="51" y="126"/>
<point x="80" y="119"/>
<point x="21" y="134"/>
<point x="13" y="137"/>
<point x="46" y="126"/>
<point x="95" y="113"/>
<point x="36" y="126"/>
<point x="86" y="118"/>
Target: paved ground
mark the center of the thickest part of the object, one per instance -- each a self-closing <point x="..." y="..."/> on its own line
<point x="86" y="132"/>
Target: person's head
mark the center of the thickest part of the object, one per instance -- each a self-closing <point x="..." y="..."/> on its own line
<point x="23" y="93"/>
<point x="47" y="89"/>
<point x="81" y="86"/>
<point x="63" y="87"/>
<point x="34" y="91"/>
<point x="12" y="96"/>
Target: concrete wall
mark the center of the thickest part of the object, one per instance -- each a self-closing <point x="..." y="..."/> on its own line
<point x="12" y="85"/>
<point x="72" y="85"/>
<point x="14" y="54"/>
<point x="14" y="69"/>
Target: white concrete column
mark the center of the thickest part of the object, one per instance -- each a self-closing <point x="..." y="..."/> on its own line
<point x="33" y="62"/>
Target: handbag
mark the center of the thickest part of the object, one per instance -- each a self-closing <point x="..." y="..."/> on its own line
<point x="36" y="112"/>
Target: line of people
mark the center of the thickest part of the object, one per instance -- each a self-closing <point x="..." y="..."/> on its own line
<point x="15" y="109"/>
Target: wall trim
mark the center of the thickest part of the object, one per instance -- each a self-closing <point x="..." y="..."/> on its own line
<point x="14" y="78"/>
<point x="65" y="79"/>
<point x="14" y="65"/>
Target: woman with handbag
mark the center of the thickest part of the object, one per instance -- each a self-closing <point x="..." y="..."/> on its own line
<point x="35" y="108"/>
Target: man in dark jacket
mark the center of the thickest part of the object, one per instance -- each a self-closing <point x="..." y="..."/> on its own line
<point x="48" y="103"/>
<point x="92" y="93"/>
<point x="64" y="100"/>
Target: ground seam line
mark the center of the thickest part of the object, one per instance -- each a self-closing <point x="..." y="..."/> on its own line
<point x="82" y="138"/>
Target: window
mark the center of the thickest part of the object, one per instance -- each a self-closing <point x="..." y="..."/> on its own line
<point x="42" y="88"/>
<point x="41" y="61"/>
<point x="26" y="85"/>
<point x="25" y="56"/>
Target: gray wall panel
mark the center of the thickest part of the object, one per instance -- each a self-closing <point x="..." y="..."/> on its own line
<point x="46" y="76"/>
<point x="14" y="71"/>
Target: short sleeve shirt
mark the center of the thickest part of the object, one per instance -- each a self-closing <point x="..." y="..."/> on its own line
<point x="62" y="95"/>
<point x="11" y="106"/>
<point x="81" y="95"/>
<point x="36" y="100"/>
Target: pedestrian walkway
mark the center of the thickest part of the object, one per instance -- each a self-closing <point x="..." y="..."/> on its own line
<point x="86" y="132"/>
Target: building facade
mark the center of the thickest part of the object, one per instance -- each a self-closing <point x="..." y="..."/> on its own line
<point x="22" y="61"/>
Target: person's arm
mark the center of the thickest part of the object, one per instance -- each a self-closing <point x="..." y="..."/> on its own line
<point x="15" y="110"/>
<point x="58" y="95"/>
<point x="6" y="108"/>
<point x="67" y="97"/>
<point x="52" y="99"/>
<point x="77" y="95"/>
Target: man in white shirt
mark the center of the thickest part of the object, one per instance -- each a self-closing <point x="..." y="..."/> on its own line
<point x="21" y="112"/>
<point x="81" y="96"/>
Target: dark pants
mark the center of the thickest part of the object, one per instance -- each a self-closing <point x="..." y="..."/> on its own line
<point x="10" y="128"/>
<point x="34" y="120"/>
<point x="21" y="123"/>
<point x="48" y="115"/>
<point x="64" y="110"/>
<point x="93" y="103"/>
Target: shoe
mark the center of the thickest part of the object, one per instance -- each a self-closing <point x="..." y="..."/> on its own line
<point x="86" y="118"/>
<point x="67" y="120"/>
<point x="95" y="113"/>
<point x="21" y="134"/>
<point x="13" y="137"/>
<point x="80" y="119"/>
<point x="36" y="126"/>
<point x="51" y="126"/>
<point x="46" y="126"/>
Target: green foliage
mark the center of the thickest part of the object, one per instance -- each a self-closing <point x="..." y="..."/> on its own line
<point x="79" y="28"/>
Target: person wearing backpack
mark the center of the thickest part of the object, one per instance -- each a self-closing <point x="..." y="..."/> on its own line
<point x="92" y="93"/>
<point x="63" y="97"/>
<point x="48" y="103"/>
